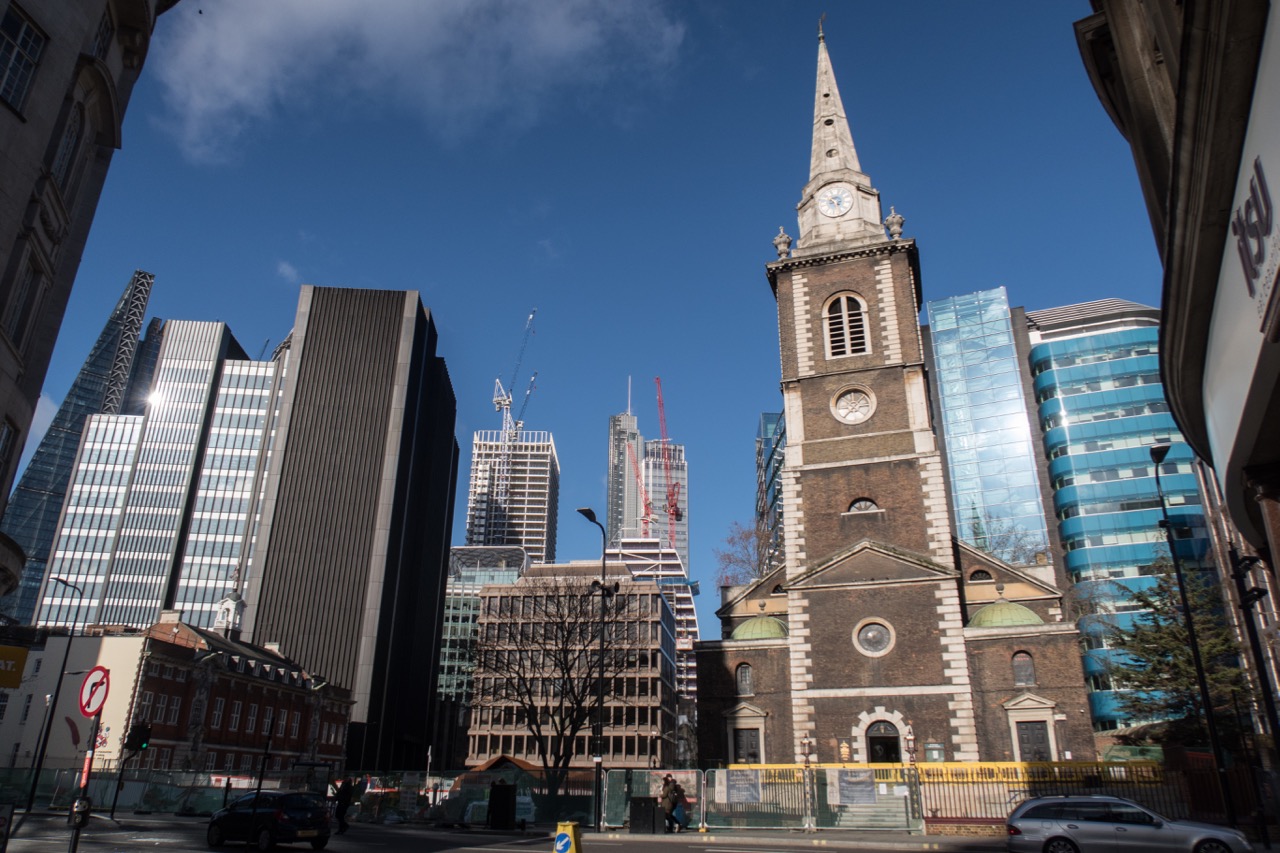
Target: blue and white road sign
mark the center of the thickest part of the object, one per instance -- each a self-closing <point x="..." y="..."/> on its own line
<point x="562" y="842"/>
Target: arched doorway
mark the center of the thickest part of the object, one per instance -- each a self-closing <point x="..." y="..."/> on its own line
<point x="883" y="746"/>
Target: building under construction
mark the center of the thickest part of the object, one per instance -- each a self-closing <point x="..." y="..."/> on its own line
<point x="515" y="490"/>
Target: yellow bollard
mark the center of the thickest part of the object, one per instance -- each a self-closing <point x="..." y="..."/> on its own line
<point x="567" y="837"/>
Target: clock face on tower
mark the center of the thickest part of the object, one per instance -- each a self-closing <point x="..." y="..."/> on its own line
<point x="853" y="406"/>
<point x="835" y="201"/>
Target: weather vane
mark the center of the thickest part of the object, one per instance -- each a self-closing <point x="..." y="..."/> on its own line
<point x="821" y="18"/>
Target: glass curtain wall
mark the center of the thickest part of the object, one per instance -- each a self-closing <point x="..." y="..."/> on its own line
<point x="990" y="449"/>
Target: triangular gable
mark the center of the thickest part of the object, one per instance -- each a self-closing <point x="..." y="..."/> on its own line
<point x="745" y="710"/>
<point x="761" y="588"/>
<point x="1027" y="702"/>
<point x="872" y="562"/>
<point x="1002" y="572"/>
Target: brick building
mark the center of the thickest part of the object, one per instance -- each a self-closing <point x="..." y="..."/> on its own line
<point x="880" y="638"/>
<point x="219" y="705"/>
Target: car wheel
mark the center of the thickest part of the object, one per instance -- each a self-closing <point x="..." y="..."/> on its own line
<point x="264" y="839"/>
<point x="215" y="836"/>
<point x="1212" y="845"/>
<point x="319" y="843"/>
<point x="1061" y="845"/>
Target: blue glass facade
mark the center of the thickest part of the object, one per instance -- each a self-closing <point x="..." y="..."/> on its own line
<point x="990" y="448"/>
<point x="1101" y="407"/>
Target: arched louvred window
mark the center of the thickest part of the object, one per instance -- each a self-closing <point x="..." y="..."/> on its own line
<point x="1024" y="668"/>
<point x="70" y="145"/>
<point x="846" y="326"/>
<point x="980" y="575"/>
<point x="863" y="505"/>
<point x="743" y="679"/>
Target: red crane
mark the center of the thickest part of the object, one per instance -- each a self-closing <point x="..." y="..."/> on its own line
<point x="672" y="508"/>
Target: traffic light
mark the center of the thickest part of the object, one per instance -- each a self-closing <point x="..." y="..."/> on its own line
<point x="139" y="737"/>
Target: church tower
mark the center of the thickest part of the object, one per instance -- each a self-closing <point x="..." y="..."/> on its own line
<point x="862" y="461"/>
<point x="869" y="554"/>
<point x="880" y="638"/>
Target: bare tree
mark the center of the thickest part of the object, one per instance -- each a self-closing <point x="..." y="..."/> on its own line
<point x="538" y="660"/>
<point x="1004" y="539"/>
<point x="745" y="556"/>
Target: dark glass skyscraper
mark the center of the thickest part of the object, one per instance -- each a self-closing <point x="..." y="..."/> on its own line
<point x="112" y="380"/>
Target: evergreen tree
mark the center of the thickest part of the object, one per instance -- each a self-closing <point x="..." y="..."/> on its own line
<point x="1155" y="668"/>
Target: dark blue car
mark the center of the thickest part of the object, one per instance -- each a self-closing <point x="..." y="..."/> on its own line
<point x="269" y="818"/>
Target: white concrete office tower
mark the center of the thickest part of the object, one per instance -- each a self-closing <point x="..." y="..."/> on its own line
<point x="157" y="509"/>
<point x="666" y="479"/>
<point x="515" y="492"/>
<point x="626" y="507"/>
<point x="651" y="559"/>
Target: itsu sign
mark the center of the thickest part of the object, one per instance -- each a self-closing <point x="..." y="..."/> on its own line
<point x="1253" y="226"/>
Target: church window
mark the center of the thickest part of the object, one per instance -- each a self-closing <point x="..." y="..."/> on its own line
<point x="742" y="676"/>
<point x="69" y="146"/>
<point x="863" y="505"/>
<point x="1024" y="669"/>
<point x="978" y="575"/>
<point x="846" y="326"/>
<point x="873" y="638"/>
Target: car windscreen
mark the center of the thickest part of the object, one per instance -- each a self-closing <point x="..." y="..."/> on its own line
<point x="302" y="802"/>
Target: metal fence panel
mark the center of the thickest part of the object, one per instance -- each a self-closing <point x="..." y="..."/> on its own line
<point x="621" y="786"/>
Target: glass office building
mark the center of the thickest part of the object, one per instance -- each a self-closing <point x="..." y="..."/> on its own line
<point x="1101" y="407"/>
<point x="771" y="452"/>
<point x="990" y="447"/>
<point x="111" y="381"/>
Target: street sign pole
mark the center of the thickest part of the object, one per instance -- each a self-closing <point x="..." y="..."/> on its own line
<point x="93" y="696"/>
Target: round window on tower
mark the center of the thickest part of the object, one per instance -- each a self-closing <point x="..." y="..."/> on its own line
<point x="874" y="637"/>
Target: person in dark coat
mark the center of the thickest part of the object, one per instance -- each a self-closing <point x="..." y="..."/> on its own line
<point x="342" y="802"/>
<point x="667" y="800"/>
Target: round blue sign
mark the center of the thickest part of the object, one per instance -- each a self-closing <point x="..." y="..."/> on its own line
<point x="562" y="842"/>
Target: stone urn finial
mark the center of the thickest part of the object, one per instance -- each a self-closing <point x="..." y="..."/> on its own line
<point x="782" y="243"/>
<point x="894" y="223"/>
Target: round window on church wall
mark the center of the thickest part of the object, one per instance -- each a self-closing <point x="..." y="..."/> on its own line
<point x="873" y="637"/>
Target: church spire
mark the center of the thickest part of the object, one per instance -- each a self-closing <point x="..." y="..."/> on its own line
<point x="832" y="141"/>
<point x="838" y="205"/>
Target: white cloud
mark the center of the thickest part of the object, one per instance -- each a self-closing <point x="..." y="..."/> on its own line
<point x="287" y="271"/>
<point x="228" y="65"/>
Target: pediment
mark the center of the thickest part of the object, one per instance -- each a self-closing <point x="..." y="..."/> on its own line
<point x="1018" y="583"/>
<point x="872" y="563"/>
<point x="744" y="600"/>
<point x="1029" y="702"/>
<point x="746" y="711"/>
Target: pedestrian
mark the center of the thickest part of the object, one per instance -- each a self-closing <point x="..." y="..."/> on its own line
<point x="681" y="810"/>
<point x="342" y="802"/>
<point x="667" y="800"/>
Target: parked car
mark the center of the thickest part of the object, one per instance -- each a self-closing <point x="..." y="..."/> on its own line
<point x="1095" y="824"/>
<point x="269" y="818"/>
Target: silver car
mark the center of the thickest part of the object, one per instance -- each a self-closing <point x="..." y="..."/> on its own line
<point x="1111" y="825"/>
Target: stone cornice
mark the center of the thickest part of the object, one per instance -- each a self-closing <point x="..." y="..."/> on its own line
<point x="888" y="247"/>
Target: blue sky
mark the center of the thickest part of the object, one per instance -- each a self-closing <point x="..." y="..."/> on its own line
<point x="621" y="166"/>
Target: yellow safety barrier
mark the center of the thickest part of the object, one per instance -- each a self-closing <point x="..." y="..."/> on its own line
<point x="567" y="838"/>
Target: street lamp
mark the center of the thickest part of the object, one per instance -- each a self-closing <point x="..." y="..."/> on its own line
<point x="810" y="825"/>
<point x="598" y="757"/>
<point x="57" y="689"/>
<point x="1158" y="454"/>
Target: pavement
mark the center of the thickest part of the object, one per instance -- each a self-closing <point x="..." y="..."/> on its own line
<point x="833" y="839"/>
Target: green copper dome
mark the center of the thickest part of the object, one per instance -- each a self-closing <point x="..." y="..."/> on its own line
<point x="1004" y="614"/>
<point x="760" y="628"/>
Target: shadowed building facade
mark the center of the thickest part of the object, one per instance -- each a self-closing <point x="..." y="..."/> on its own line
<point x="352" y="551"/>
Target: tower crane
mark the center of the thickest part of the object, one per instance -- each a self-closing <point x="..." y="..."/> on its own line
<point x="674" y="513"/>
